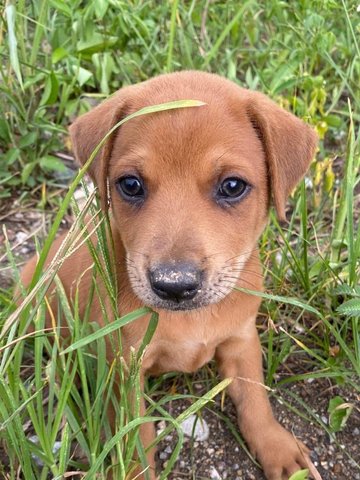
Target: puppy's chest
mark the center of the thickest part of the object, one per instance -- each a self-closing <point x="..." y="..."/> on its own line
<point x="184" y="354"/>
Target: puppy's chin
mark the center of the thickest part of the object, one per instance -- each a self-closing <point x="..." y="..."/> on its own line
<point x="182" y="306"/>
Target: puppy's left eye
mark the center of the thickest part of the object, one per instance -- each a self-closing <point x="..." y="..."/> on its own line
<point x="130" y="188"/>
<point x="232" y="189"/>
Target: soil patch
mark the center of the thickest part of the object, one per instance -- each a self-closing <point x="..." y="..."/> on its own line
<point x="221" y="456"/>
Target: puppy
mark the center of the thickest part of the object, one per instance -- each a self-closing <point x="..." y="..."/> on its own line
<point x="189" y="192"/>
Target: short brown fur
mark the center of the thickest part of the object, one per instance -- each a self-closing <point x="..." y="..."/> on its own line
<point x="182" y="155"/>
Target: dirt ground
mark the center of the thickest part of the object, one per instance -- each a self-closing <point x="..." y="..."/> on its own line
<point x="220" y="456"/>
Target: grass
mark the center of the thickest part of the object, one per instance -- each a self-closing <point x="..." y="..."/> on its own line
<point x="56" y="60"/>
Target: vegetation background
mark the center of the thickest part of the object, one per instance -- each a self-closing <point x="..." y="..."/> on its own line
<point x="58" y="58"/>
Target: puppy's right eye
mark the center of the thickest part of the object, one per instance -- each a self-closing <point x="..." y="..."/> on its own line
<point x="130" y="188"/>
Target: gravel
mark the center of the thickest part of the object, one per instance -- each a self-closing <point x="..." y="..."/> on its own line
<point x="220" y="456"/>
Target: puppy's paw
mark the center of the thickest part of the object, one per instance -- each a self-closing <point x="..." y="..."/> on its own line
<point x="281" y="454"/>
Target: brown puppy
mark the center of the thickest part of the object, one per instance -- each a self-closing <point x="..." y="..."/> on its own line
<point x="190" y="191"/>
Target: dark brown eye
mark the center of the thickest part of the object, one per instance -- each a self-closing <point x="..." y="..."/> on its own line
<point x="232" y="188"/>
<point x="130" y="188"/>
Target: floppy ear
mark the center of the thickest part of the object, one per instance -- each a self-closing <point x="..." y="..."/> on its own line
<point x="87" y="132"/>
<point x="289" y="145"/>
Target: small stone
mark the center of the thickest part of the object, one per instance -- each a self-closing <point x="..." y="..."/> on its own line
<point x="35" y="439"/>
<point x="160" y="427"/>
<point x="21" y="237"/>
<point x="356" y="431"/>
<point x="196" y="427"/>
<point x="163" y="456"/>
<point x="214" y="474"/>
<point x="56" y="447"/>
<point x="308" y="183"/>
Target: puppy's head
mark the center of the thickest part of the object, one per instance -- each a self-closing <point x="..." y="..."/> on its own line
<point x="190" y="188"/>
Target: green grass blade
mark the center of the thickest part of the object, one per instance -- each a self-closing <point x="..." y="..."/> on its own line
<point x="225" y="32"/>
<point x="111" y="327"/>
<point x="174" y="9"/>
<point x="10" y="14"/>
<point x="109" y="445"/>
<point x="281" y="299"/>
<point x="153" y="322"/>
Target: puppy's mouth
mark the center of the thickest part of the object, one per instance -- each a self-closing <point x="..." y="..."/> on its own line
<point x="176" y="306"/>
<point x="180" y="286"/>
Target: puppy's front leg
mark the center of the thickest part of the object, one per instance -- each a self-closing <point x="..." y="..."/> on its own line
<point x="277" y="450"/>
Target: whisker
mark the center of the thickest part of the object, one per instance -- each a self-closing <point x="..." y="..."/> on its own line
<point x="216" y="293"/>
<point x="236" y="281"/>
<point x="242" y="254"/>
<point x="246" y="252"/>
<point x="251" y="272"/>
<point x="137" y="253"/>
<point x="244" y="280"/>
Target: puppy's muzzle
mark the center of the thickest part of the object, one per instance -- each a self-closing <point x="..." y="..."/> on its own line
<point x="176" y="282"/>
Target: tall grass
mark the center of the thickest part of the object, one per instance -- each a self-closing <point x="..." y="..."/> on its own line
<point x="56" y="60"/>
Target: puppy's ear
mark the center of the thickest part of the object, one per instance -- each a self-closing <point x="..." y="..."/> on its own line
<point x="87" y="132"/>
<point x="289" y="145"/>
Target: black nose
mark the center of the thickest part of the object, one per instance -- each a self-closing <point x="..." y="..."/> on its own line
<point x="175" y="281"/>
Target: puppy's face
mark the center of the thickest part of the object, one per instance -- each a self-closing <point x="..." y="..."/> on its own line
<point x="189" y="195"/>
<point x="190" y="188"/>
